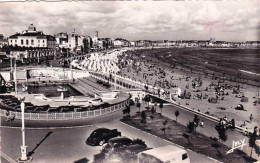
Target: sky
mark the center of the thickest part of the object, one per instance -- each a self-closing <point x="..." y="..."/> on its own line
<point x="237" y="20"/>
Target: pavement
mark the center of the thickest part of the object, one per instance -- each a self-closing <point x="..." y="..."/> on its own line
<point x="68" y="144"/>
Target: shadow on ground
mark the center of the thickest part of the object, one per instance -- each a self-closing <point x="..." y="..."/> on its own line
<point x="32" y="152"/>
<point x="83" y="160"/>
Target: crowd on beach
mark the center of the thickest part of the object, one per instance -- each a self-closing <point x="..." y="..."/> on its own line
<point x="212" y="95"/>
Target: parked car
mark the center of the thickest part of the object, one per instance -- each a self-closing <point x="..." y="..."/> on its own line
<point x="118" y="145"/>
<point x="101" y="136"/>
<point x="132" y="151"/>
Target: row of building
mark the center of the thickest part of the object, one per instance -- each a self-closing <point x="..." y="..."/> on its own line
<point x="35" y="44"/>
<point x="194" y="43"/>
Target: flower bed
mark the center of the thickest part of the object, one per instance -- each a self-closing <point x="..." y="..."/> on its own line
<point x="176" y="133"/>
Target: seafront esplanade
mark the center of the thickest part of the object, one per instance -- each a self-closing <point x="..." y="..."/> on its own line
<point x="177" y="85"/>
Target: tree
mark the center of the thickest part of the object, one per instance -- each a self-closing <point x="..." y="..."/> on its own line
<point x="161" y="107"/>
<point x="252" y="139"/>
<point x="131" y="102"/>
<point x="190" y="127"/>
<point x="221" y="133"/>
<point x="153" y="110"/>
<point x="152" y="117"/>
<point x="190" y="130"/>
<point x="164" y="126"/>
<point x="127" y="110"/>
<point x="138" y="105"/>
<point x="143" y="116"/>
<point x="147" y="99"/>
<point x="177" y="113"/>
<point x="196" y="121"/>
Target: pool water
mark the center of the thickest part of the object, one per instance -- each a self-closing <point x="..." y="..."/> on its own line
<point x="51" y="91"/>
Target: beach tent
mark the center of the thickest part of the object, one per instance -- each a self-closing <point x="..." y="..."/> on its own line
<point x="239" y="107"/>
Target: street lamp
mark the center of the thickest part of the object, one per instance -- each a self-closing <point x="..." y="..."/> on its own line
<point x="23" y="158"/>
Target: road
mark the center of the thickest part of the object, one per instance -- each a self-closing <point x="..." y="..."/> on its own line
<point x="168" y="111"/>
<point x="68" y="144"/>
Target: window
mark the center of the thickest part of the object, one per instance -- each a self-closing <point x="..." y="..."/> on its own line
<point x="38" y="41"/>
<point x="27" y="42"/>
<point x="15" y="41"/>
<point x="184" y="156"/>
<point x="42" y="41"/>
<point x="22" y="41"/>
<point x="11" y="41"/>
<point x="32" y="42"/>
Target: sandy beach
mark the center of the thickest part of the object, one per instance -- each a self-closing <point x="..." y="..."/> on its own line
<point x="177" y="77"/>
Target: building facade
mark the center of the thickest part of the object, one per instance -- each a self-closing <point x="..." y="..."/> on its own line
<point x="61" y="38"/>
<point x="119" y="42"/>
<point x="32" y="45"/>
<point x="32" y="38"/>
<point x="3" y="41"/>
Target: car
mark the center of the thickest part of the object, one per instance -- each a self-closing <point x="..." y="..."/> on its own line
<point x="168" y="153"/>
<point x="118" y="145"/>
<point x="101" y="136"/>
<point x="132" y="151"/>
<point x="115" y="145"/>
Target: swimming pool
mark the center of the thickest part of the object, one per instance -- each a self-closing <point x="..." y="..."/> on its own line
<point x="51" y="90"/>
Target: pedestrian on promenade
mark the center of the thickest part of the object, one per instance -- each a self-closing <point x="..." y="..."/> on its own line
<point x="233" y="124"/>
<point x="251" y="118"/>
<point x="225" y="119"/>
<point x="202" y="123"/>
<point x="7" y="113"/>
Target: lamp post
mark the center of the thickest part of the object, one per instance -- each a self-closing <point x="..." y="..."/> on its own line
<point x="15" y="76"/>
<point x="24" y="158"/>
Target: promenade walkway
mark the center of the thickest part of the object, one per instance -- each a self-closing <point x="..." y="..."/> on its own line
<point x="209" y="125"/>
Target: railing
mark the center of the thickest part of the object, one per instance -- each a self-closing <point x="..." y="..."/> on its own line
<point x="212" y="118"/>
<point x="125" y="82"/>
<point x="151" y="89"/>
<point x="69" y="115"/>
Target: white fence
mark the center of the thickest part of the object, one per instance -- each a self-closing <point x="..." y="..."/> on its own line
<point x="69" y="115"/>
<point x="121" y="82"/>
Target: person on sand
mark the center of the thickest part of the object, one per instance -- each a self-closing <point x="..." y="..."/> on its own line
<point x="244" y="124"/>
<point x="255" y="129"/>
<point x="251" y="118"/>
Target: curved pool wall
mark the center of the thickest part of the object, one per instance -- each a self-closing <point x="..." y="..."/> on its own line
<point x="116" y="104"/>
<point x="45" y="72"/>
